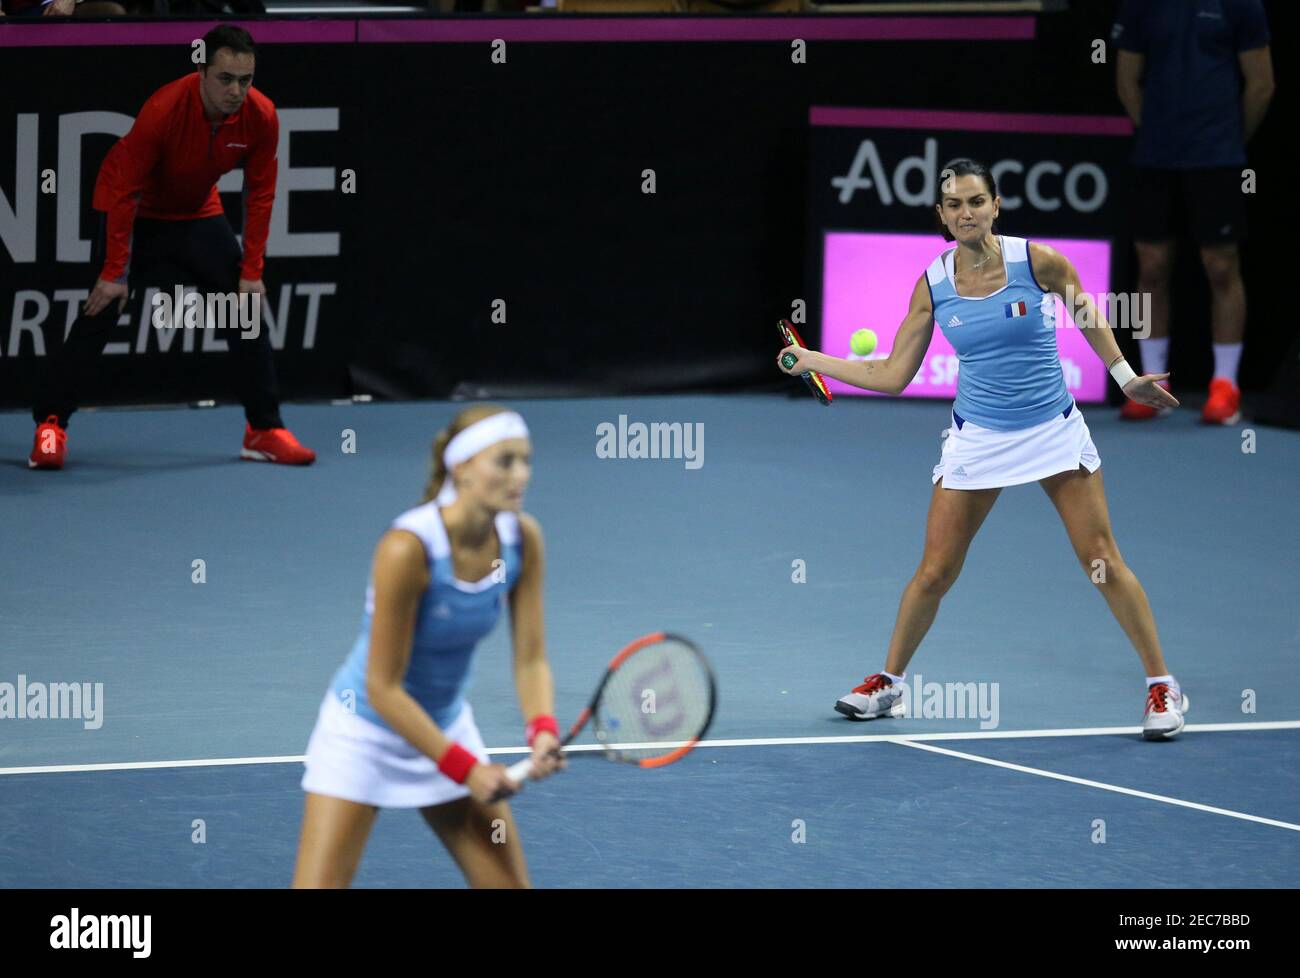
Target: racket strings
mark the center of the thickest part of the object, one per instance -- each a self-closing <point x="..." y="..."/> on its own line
<point x="658" y="699"/>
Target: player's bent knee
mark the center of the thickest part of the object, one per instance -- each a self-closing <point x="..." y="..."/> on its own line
<point x="937" y="579"/>
<point x="1101" y="564"/>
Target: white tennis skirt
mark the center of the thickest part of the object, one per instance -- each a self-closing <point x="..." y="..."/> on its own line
<point x="974" y="457"/>
<point x="349" y="757"/>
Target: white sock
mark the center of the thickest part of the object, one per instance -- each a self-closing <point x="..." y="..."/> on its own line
<point x="1155" y="354"/>
<point x="1169" y="681"/>
<point x="1226" y="358"/>
<point x="896" y="680"/>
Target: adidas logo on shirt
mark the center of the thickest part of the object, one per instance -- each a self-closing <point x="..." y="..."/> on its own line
<point x="960" y="470"/>
<point x="954" y="322"/>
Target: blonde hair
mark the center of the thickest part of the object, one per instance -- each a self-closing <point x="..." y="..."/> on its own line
<point x="463" y="420"/>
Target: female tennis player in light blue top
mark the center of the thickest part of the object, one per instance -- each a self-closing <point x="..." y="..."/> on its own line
<point x="394" y="730"/>
<point x="1013" y="422"/>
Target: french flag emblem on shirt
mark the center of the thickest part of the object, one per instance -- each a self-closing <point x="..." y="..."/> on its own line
<point x="1016" y="309"/>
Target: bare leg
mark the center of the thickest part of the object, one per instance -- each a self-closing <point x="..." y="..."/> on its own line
<point x="1080" y="499"/>
<point x="484" y="841"/>
<point x="955" y="516"/>
<point x="1227" y="293"/>
<point x="334" y="834"/>
<point x="1155" y="264"/>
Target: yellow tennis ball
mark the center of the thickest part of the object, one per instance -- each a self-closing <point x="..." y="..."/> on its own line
<point x="862" y="342"/>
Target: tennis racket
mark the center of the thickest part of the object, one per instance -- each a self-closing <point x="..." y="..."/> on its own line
<point x="652" y="706"/>
<point x="812" y="378"/>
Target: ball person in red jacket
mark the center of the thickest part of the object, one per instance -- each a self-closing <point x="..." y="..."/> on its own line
<point x="162" y="224"/>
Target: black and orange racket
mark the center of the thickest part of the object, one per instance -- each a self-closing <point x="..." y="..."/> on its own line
<point x="652" y="706"/>
<point x="812" y="378"/>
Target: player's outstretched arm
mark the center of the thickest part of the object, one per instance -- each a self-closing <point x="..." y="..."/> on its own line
<point x="1057" y="275"/>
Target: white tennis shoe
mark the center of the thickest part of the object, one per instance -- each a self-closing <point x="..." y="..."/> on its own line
<point x="876" y="697"/>
<point x="1164" y="713"/>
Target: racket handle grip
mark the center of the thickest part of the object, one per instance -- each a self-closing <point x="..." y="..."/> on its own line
<point x="519" y="771"/>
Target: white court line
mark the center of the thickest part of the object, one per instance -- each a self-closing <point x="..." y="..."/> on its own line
<point x="148" y="765"/>
<point x="1100" y="784"/>
<point x="751" y="742"/>
<point x="999" y="734"/>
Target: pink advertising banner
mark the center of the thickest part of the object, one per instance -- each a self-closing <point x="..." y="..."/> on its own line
<point x="867" y="283"/>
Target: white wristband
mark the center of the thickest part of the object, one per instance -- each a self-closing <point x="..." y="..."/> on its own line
<point x="1122" y="373"/>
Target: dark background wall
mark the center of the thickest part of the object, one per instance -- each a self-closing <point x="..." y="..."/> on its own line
<point x="521" y="182"/>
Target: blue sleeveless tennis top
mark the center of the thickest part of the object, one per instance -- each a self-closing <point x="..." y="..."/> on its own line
<point x="453" y="616"/>
<point x="1009" y="369"/>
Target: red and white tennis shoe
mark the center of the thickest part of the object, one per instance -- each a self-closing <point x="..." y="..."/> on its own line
<point x="876" y="697"/>
<point x="1164" y="713"/>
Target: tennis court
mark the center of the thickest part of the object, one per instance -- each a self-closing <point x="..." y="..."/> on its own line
<point x="209" y="690"/>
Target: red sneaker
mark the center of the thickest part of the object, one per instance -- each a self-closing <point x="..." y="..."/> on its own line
<point x="1224" y="404"/>
<point x="1133" y="411"/>
<point x="274" y="445"/>
<point x="50" y="446"/>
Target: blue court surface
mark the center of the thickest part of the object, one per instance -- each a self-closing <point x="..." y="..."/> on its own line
<point x="209" y="690"/>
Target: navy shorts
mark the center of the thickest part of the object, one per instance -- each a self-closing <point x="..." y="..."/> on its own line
<point x="1206" y="204"/>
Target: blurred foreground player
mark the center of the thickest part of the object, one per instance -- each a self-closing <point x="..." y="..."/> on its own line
<point x="395" y="729"/>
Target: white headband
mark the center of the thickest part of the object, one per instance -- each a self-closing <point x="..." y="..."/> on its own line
<point x="472" y="440"/>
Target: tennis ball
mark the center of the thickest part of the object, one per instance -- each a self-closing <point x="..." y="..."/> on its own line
<point x="862" y="342"/>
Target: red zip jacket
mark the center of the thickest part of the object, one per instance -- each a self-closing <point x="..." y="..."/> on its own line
<point x="166" y="168"/>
